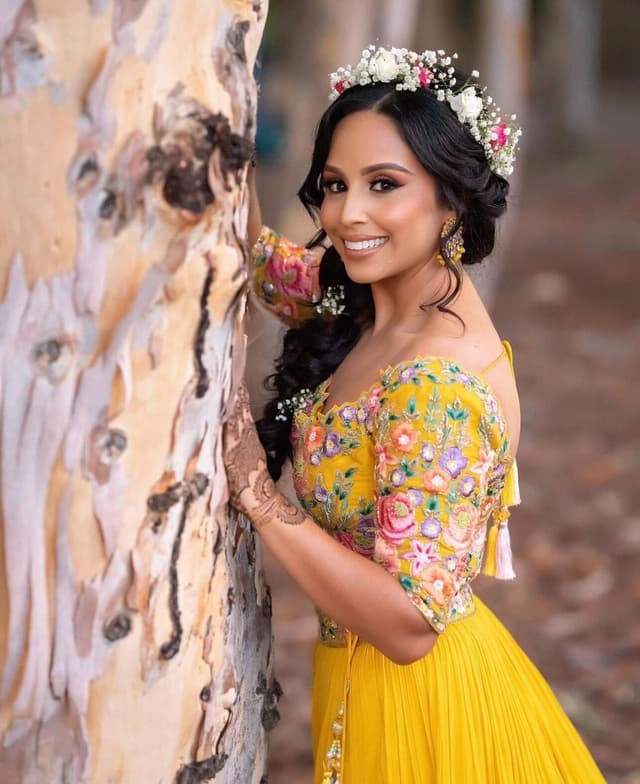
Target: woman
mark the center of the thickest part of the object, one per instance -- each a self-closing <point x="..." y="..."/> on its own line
<point x="397" y="404"/>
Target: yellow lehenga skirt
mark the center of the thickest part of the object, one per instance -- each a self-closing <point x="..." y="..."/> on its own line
<point x="473" y="711"/>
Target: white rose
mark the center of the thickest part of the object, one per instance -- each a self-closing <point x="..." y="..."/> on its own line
<point x="467" y="105"/>
<point x="384" y="66"/>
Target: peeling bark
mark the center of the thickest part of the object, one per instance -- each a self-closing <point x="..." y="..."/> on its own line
<point x="135" y="644"/>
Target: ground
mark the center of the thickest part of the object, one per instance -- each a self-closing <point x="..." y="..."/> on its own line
<point x="569" y="303"/>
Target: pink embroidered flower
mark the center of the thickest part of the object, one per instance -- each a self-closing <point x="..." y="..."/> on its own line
<point x="384" y="457"/>
<point x="483" y="465"/>
<point x="436" y="480"/>
<point x="314" y="437"/>
<point x="498" y="137"/>
<point x="373" y="400"/>
<point x="425" y="77"/>
<point x="404" y="437"/>
<point x="438" y="583"/>
<point x="395" y="516"/>
<point x="386" y="554"/>
<point x="421" y="555"/>
<point x="294" y="277"/>
<point x="459" y="533"/>
<point x="350" y="541"/>
<point x="287" y="310"/>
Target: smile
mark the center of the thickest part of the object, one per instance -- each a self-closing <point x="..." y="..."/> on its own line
<point x="365" y="244"/>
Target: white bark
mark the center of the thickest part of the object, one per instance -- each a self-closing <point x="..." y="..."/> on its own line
<point x="134" y="628"/>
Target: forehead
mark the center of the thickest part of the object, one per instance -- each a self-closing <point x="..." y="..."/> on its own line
<point x="367" y="137"/>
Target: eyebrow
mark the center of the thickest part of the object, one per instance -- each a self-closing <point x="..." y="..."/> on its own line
<point x="374" y="167"/>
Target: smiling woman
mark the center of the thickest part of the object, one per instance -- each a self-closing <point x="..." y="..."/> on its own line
<point x="396" y="402"/>
<point x="396" y="202"/>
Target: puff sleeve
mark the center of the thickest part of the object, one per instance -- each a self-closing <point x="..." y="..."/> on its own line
<point x="441" y="461"/>
<point x="286" y="277"/>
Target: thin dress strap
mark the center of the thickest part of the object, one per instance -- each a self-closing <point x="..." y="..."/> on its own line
<point x="506" y="350"/>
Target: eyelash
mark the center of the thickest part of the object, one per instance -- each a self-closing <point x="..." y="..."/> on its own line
<point x="387" y="182"/>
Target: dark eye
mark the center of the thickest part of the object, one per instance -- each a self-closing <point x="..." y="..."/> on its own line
<point x="381" y="184"/>
<point x="333" y="186"/>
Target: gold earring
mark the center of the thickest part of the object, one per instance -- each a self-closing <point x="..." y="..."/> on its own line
<point x="453" y="246"/>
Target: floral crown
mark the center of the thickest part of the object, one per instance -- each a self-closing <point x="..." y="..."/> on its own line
<point x="433" y="70"/>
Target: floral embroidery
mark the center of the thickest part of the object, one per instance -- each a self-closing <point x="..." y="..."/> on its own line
<point x="395" y="516"/>
<point x="437" y="480"/>
<point x="404" y="437"/>
<point x="409" y="475"/>
<point x="286" y="277"/>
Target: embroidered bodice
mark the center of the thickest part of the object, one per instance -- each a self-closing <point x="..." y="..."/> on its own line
<point x="409" y="475"/>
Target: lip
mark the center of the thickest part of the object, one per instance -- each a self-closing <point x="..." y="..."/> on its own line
<point x="363" y="238"/>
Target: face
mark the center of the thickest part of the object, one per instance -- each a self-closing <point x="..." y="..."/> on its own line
<point x="380" y="207"/>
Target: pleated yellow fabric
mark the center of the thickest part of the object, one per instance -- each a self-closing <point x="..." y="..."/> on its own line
<point x="474" y="711"/>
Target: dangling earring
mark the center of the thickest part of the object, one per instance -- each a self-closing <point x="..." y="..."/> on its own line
<point x="454" y="246"/>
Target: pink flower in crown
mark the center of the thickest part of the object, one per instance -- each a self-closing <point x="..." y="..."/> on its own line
<point x="342" y="85"/>
<point x="424" y="77"/>
<point x="293" y="277"/>
<point x="498" y="137"/>
<point x="395" y="516"/>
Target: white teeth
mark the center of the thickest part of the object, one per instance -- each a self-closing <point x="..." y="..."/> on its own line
<point x="365" y="244"/>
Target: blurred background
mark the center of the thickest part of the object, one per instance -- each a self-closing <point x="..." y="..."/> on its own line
<point x="563" y="286"/>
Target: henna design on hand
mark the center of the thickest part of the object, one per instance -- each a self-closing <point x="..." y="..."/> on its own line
<point x="251" y="490"/>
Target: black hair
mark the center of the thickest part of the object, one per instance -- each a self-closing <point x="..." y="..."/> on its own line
<point x="465" y="183"/>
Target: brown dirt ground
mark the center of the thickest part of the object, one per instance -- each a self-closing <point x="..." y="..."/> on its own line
<point x="569" y="303"/>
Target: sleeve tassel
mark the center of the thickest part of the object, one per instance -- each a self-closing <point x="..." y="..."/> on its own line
<point x="498" y="560"/>
<point x="504" y="557"/>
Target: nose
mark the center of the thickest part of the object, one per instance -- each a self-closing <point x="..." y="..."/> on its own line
<point x="353" y="208"/>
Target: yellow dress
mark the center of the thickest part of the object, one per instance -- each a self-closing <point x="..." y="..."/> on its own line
<point x="416" y="475"/>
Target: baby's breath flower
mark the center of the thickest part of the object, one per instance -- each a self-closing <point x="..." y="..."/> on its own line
<point x="289" y="405"/>
<point x="332" y="301"/>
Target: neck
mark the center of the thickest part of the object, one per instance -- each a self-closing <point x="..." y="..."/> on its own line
<point x="398" y="301"/>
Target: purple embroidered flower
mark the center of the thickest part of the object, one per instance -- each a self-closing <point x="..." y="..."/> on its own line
<point x="347" y="414"/>
<point x="466" y="485"/>
<point x="320" y="494"/>
<point x="361" y="414"/>
<point x="463" y="378"/>
<point x="491" y="405"/>
<point x="450" y="563"/>
<point x="427" y="452"/>
<point x="365" y="527"/>
<point x="415" y="496"/>
<point x="431" y="528"/>
<point x="453" y="460"/>
<point x="407" y="374"/>
<point x="315" y="458"/>
<point x="332" y="443"/>
<point x="397" y="477"/>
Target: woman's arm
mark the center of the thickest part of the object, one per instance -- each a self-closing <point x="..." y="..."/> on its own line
<point x="254" y="221"/>
<point x="357" y="593"/>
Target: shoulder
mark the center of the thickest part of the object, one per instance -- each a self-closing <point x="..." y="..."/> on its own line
<point x="436" y="393"/>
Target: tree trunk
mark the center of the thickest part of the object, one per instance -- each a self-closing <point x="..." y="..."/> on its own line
<point x="135" y="641"/>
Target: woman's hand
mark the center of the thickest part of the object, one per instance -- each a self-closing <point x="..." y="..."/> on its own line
<point x="251" y="490"/>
